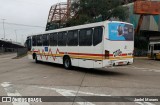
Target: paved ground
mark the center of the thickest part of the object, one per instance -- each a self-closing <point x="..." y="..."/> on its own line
<point x="23" y="77"/>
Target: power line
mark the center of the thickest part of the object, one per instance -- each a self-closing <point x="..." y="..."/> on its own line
<point x="22" y="25"/>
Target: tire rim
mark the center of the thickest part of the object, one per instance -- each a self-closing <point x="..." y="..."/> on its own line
<point x="66" y="63"/>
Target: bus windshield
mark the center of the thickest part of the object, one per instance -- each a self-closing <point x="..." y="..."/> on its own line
<point x="120" y="31"/>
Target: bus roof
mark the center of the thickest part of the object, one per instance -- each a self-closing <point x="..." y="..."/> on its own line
<point x="81" y="27"/>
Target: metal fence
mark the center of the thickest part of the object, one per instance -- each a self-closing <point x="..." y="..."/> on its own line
<point x="6" y="50"/>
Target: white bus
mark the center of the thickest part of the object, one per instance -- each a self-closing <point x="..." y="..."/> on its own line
<point x="154" y="50"/>
<point x="96" y="45"/>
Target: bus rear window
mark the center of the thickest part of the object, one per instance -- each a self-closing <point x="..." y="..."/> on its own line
<point x="121" y="32"/>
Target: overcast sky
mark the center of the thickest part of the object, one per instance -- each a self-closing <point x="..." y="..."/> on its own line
<point x="28" y="12"/>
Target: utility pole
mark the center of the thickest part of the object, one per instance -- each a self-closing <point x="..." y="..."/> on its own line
<point x="16" y="34"/>
<point x="4" y="28"/>
<point x="2" y="48"/>
<point x="22" y="39"/>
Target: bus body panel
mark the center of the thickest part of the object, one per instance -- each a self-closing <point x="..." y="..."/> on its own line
<point x="85" y="56"/>
<point x="120" y="47"/>
<point x="91" y="57"/>
<point x="74" y="57"/>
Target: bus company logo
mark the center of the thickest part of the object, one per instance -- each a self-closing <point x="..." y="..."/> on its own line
<point x="117" y="53"/>
<point x="6" y="99"/>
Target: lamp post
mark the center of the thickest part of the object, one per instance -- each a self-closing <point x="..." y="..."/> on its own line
<point x="2" y="48"/>
<point x="16" y="34"/>
<point x="4" y="28"/>
<point x="22" y="39"/>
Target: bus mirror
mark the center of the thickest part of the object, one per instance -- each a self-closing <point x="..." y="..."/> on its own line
<point x="28" y="44"/>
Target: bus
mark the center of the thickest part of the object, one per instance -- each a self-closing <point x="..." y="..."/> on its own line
<point x="95" y="45"/>
<point x="154" y="50"/>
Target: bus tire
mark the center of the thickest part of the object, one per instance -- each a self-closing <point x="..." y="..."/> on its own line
<point x="67" y="62"/>
<point x="36" y="60"/>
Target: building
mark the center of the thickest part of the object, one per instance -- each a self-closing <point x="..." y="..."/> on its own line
<point x="9" y="46"/>
<point x="150" y="26"/>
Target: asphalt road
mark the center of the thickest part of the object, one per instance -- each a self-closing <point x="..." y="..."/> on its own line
<point x="23" y="77"/>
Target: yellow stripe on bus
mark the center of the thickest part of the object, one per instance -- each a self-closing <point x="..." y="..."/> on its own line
<point x="83" y="57"/>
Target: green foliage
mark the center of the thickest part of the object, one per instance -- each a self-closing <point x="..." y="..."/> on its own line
<point x="89" y="11"/>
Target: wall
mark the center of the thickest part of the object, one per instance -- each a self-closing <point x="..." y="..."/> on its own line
<point x="21" y="51"/>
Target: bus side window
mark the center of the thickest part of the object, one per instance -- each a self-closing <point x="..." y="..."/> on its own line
<point x="62" y="38"/>
<point x="53" y="39"/>
<point x="34" y="41"/>
<point x="85" y="37"/>
<point x="39" y="40"/>
<point x="45" y="40"/>
<point x="97" y="36"/>
<point x="72" y="38"/>
<point x="157" y="47"/>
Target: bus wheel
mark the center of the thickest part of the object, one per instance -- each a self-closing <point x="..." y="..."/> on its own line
<point x="155" y="57"/>
<point x="67" y="63"/>
<point x="36" y="61"/>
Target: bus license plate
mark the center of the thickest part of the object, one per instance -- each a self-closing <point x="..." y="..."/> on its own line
<point x="120" y="63"/>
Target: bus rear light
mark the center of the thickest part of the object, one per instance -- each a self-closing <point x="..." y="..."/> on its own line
<point x="106" y="54"/>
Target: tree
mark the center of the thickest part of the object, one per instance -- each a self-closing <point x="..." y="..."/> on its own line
<point x="89" y="11"/>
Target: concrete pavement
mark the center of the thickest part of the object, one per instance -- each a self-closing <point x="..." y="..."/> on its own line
<point x="27" y="78"/>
